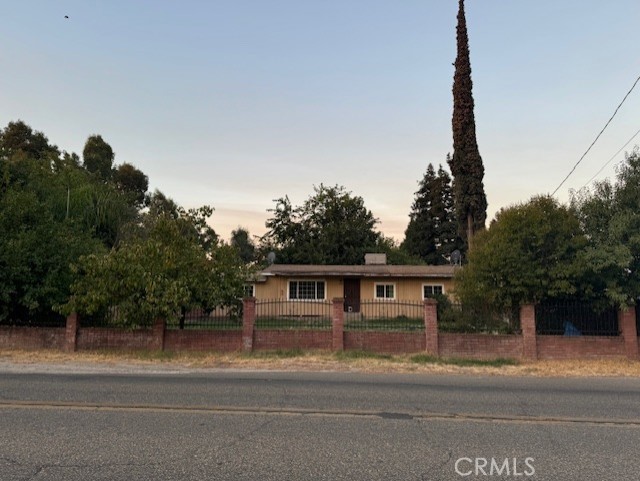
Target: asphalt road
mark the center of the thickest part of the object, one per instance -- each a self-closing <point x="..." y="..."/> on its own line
<point x="299" y="426"/>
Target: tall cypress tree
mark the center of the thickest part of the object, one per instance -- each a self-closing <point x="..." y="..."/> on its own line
<point x="466" y="163"/>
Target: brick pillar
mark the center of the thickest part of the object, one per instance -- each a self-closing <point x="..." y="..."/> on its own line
<point x="528" y="326"/>
<point x="159" y="327"/>
<point x="627" y="320"/>
<point x="431" y="326"/>
<point x="248" y="322"/>
<point x="337" y="324"/>
<point x="71" y="333"/>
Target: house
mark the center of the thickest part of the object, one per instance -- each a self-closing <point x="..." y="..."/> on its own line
<point x="373" y="281"/>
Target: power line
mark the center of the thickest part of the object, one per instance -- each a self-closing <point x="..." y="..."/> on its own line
<point x="611" y="159"/>
<point x="598" y="136"/>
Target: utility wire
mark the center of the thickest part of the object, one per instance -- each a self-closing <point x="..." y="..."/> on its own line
<point x="611" y="159"/>
<point x="597" y="137"/>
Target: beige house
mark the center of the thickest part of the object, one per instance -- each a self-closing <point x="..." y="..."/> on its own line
<point x="374" y="281"/>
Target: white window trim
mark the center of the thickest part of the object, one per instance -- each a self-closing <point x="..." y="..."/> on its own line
<point x="289" y="281"/>
<point x="431" y="285"/>
<point x="375" y="291"/>
<point x="253" y="289"/>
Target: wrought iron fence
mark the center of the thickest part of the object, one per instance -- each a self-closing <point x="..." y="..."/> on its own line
<point x="221" y="318"/>
<point x="295" y="314"/>
<point x="479" y="317"/>
<point x="386" y="315"/>
<point x="576" y="319"/>
<point x="53" y="320"/>
<point x="109" y="317"/>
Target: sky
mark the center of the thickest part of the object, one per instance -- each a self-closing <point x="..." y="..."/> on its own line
<point x="235" y="103"/>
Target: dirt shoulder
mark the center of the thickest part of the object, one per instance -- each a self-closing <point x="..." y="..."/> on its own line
<point x="149" y="361"/>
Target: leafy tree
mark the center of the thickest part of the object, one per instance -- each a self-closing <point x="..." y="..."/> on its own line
<point x="98" y="157"/>
<point x="17" y="138"/>
<point x="396" y="254"/>
<point x="161" y="274"/>
<point x="432" y="231"/>
<point x="192" y="223"/>
<point x="331" y="227"/>
<point x="37" y="244"/>
<point x="132" y="182"/>
<point x="52" y="211"/>
<point x="466" y="163"/>
<point x="242" y="243"/>
<point x="528" y="254"/>
<point x="610" y="216"/>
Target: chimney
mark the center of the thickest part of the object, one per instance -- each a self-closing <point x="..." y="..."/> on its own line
<point x="375" y="259"/>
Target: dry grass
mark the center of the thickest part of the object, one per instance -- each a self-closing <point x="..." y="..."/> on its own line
<point x="320" y="361"/>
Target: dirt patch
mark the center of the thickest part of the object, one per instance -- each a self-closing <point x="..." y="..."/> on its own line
<point x="316" y="361"/>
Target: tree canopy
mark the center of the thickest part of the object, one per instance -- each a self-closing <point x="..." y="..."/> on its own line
<point x="244" y="246"/>
<point x="609" y="214"/>
<point x="529" y="253"/>
<point x="64" y="224"/>
<point x="432" y="231"/>
<point x="98" y="157"/>
<point x="161" y="273"/>
<point x="331" y="227"/>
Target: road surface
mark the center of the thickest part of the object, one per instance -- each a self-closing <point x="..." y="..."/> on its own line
<point x="238" y="425"/>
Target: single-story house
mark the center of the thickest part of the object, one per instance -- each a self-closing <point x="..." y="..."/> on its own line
<point x="373" y="281"/>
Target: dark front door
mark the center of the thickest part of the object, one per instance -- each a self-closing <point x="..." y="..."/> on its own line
<point x="352" y="295"/>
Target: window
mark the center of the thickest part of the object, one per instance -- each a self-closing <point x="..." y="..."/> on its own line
<point x="249" y="290"/>
<point x="306" y="290"/>
<point x="385" y="291"/>
<point x="430" y="290"/>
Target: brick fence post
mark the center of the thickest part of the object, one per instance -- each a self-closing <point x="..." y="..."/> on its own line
<point x="431" y="326"/>
<point x="71" y="333"/>
<point x="248" y="322"/>
<point x="159" y="327"/>
<point x="528" y="326"/>
<point x="627" y="319"/>
<point x="337" y="324"/>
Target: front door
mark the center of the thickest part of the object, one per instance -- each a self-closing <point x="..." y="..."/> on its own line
<point x="352" y="295"/>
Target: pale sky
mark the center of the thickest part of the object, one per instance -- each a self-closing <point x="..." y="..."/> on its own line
<point x="234" y="103"/>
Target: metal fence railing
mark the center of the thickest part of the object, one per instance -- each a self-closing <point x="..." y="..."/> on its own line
<point x="106" y="318"/>
<point x="221" y="318"/>
<point x="576" y="319"/>
<point x="386" y="315"/>
<point x="294" y="314"/>
<point x="480" y="318"/>
<point x="50" y="321"/>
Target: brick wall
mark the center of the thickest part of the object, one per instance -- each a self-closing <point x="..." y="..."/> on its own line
<point x="585" y="347"/>
<point x="177" y="340"/>
<point x="480" y="346"/>
<point x="524" y="346"/>
<point x="106" y="338"/>
<point x="385" y="342"/>
<point x="32" y="337"/>
<point x="270" y="339"/>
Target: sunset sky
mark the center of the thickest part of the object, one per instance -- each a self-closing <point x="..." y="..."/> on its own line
<point x="234" y="103"/>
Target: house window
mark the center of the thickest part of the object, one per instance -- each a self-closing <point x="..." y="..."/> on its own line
<point x="306" y="290"/>
<point x="430" y="290"/>
<point x="249" y="290"/>
<point x="385" y="291"/>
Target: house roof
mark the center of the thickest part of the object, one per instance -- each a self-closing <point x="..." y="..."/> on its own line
<point x="298" y="270"/>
